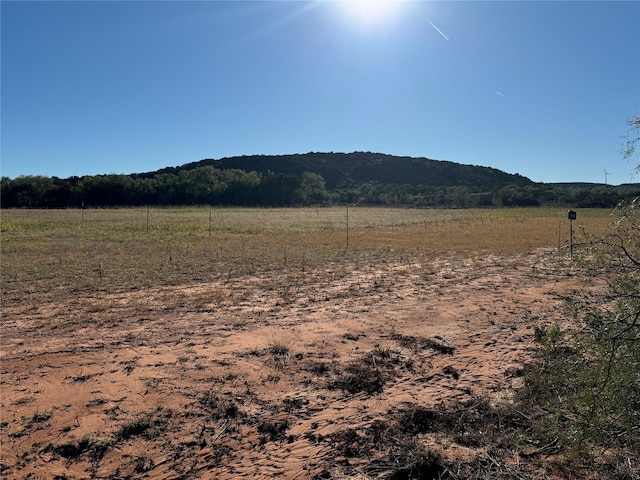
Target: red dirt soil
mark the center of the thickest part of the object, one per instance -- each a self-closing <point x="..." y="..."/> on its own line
<point x="230" y="379"/>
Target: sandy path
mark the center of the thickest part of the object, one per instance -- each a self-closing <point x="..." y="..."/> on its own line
<point x="230" y="379"/>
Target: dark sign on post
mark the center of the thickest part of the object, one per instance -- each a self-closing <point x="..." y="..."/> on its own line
<point x="572" y="217"/>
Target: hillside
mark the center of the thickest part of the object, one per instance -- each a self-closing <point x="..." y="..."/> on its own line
<point x="360" y="178"/>
<point x="341" y="170"/>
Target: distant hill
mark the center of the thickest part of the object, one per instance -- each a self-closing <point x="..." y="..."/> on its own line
<point x="347" y="170"/>
<point x="358" y="178"/>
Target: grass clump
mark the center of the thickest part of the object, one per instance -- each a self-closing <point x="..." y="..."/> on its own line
<point x="83" y="377"/>
<point x="368" y="374"/>
<point x="39" y="417"/>
<point x="274" y="431"/>
<point x="278" y="349"/>
<point x="129" y="365"/>
<point x="218" y="407"/>
<point x="416" y="344"/>
<point x="87" y="444"/>
<point x="148" y="425"/>
<point x="135" y="427"/>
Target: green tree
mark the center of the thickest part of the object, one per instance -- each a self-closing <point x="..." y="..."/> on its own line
<point x="277" y="190"/>
<point x="311" y="190"/>
<point x="166" y="189"/>
<point x="105" y="190"/>
<point x="28" y="191"/>
<point x="202" y="185"/>
<point x="241" y="187"/>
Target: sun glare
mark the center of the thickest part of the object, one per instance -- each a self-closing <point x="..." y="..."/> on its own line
<point x="370" y="14"/>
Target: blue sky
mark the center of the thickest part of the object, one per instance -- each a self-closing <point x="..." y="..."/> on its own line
<point x="538" y="88"/>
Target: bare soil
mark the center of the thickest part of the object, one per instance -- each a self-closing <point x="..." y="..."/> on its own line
<point x="262" y="376"/>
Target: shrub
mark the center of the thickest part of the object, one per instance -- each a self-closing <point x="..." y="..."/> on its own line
<point x="588" y="377"/>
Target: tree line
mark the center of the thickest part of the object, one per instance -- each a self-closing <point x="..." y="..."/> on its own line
<point x="201" y="186"/>
<point x="208" y="185"/>
<point x="313" y="178"/>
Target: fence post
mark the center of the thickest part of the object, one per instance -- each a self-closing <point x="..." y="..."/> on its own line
<point x="347" y="247"/>
<point x="572" y="216"/>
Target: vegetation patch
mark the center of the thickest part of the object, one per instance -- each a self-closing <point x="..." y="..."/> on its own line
<point x="148" y="425"/>
<point x="219" y="407"/>
<point x="416" y="344"/>
<point x="39" y="417"/>
<point x="274" y="431"/>
<point x="583" y="390"/>
<point x="368" y="374"/>
<point x="278" y="349"/>
<point x="129" y="365"/>
<point x="385" y="449"/>
<point x="317" y="367"/>
<point x="395" y="447"/>
<point x="477" y="422"/>
<point x="83" y="377"/>
<point x="451" y="372"/>
<point x="415" y="420"/>
<point x="351" y="336"/>
<point x="88" y="444"/>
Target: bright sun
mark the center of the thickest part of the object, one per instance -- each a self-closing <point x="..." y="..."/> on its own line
<point x="370" y="13"/>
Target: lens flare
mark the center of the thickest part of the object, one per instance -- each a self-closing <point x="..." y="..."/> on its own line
<point x="369" y="14"/>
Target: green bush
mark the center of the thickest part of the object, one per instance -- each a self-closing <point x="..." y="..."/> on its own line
<point x="586" y="383"/>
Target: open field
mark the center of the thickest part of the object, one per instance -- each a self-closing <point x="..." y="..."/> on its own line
<point x="226" y="343"/>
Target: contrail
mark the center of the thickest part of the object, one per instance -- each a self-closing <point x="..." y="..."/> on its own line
<point x="437" y="29"/>
<point x="500" y="93"/>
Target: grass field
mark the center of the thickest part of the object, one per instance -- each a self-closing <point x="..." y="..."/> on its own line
<point x="134" y="248"/>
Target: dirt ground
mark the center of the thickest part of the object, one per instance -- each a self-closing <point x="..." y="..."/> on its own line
<point x="254" y="376"/>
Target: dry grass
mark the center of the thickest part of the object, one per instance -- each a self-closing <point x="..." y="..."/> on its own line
<point x="123" y="249"/>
